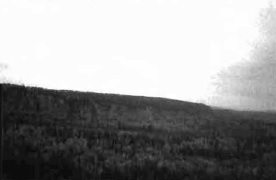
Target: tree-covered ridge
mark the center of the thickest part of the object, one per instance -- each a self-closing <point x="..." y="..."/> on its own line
<point x="73" y="135"/>
<point x="127" y="100"/>
<point x="104" y="108"/>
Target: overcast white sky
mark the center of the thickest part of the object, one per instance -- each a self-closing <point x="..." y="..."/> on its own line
<point x="165" y="48"/>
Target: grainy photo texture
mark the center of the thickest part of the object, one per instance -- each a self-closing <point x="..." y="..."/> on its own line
<point x="137" y="90"/>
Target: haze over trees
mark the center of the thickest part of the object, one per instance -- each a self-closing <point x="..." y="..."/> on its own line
<point x="252" y="82"/>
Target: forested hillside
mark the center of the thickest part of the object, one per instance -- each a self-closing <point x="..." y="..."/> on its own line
<point x="53" y="134"/>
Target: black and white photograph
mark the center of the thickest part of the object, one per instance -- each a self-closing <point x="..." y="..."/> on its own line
<point x="137" y="90"/>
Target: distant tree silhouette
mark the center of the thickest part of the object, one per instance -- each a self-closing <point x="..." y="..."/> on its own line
<point x="252" y="82"/>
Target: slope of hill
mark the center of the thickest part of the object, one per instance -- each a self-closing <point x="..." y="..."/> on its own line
<point x="53" y="134"/>
<point x="96" y="108"/>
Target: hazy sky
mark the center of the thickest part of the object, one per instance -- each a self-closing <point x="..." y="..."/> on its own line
<point x="166" y="48"/>
<point x="251" y="84"/>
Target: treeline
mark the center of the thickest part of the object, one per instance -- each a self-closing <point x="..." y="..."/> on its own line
<point x="16" y="91"/>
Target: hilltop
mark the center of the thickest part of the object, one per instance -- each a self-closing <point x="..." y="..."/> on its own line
<point x="97" y="108"/>
<point x="52" y="134"/>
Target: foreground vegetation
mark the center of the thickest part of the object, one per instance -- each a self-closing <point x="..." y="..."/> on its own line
<point x="41" y="146"/>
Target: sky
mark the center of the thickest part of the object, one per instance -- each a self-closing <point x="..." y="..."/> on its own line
<point x="251" y="84"/>
<point x="168" y="48"/>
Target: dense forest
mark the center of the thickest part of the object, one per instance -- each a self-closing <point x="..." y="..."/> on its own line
<point x="51" y="134"/>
